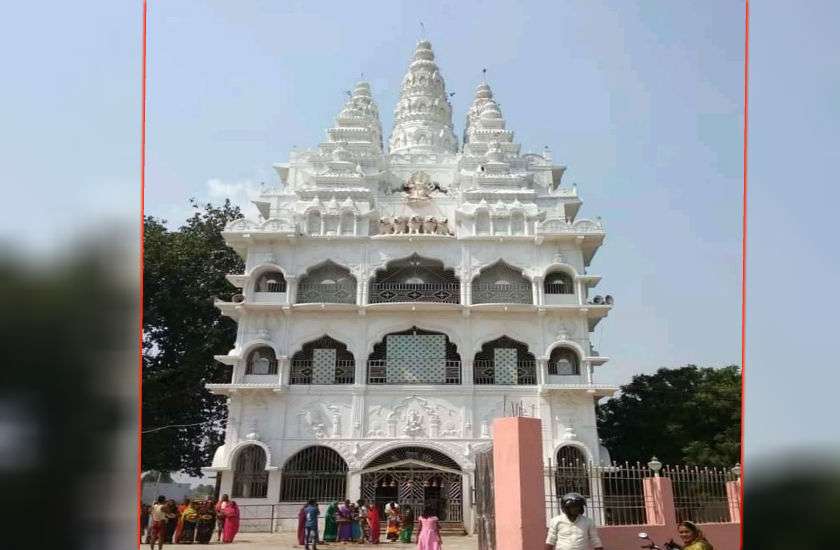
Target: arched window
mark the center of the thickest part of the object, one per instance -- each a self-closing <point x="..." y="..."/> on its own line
<point x="501" y="225"/>
<point x="261" y="361"/>
<point x="271" y="281"/>
<point x="517" y="223"/>
<point x="313" y="223"/>
<point x="415" y="279"/>
<point x="571" y="474"/>
<point x="414" y="356"/>
<point x="563" y="361"/>
<point x="558" y="282"/>
<point x="482" y="222"/>
<point x="501" y="283"/>
<point x="250" y="479"/>
<point x="323" y="361"/>
<point x="314" y="472"/>
<point x="504" y="361"/>
<point x="328" y="283"/>
<point x="331" y="224"/>
<point x="347" y="223"/>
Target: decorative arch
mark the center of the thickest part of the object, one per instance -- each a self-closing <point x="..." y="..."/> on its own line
<point x="577" y="348"/>
<point x="501" y="282"/>
<point x="258" y="271"/>
<point x="397" y="326"/>
<point x="327" y="282"/>
<point x="324" y="360"/>
<point x="414" y="356"/>
<point x="250" y="473"/>
<point x="414" y="278"/>
<point x="317" y="472"/>
<point x="504" y="361"/>
<point x="564" y="360"/>
<point x="464" y="464"/>
<point x="260" y="358"/>
<point x="236" y="448"/>
<point x="559" y="281"/>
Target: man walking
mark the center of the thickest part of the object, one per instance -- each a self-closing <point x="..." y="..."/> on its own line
<point x="571" y="530"/>
<point x="311" y="513"/>
<point x="158" y="514"/>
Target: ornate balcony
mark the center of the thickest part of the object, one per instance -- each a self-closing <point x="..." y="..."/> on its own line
<point x="418" y="371"/>
<point x="415" y="279"/>
<point x="448" y="293"/>
<point x="502" y="284"/>
<point x="523" y="373"/>
<point x="304" y="371"/>
<point x="327" y="283"/>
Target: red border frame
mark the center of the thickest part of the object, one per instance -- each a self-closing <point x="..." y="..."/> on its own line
<point x="142" y="242"/>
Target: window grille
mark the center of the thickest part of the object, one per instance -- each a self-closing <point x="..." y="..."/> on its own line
<point x="250" y="480"/>
<point x="307" y="370"/>
<point x="328" y="283"/>
<point x="261" y="361"/>
<point x="444" y="366"/>
<point x="415" y="279"/>
<point x="271" y="281"/>
<point x="558" y="283"/>
<point x="485" y="363"/>
<point x="563" y="361"/>
<point x="314" y="472"/>
<point x="501" y="283"/>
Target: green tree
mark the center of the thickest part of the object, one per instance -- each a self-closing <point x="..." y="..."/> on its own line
<point x="689" y="415"/>
<point x="184" y="271"/>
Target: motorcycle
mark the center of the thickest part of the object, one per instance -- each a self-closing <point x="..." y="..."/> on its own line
<point x="670" y="545"/>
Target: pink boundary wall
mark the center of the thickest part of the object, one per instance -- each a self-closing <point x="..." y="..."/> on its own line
<point x="520" y="498"/>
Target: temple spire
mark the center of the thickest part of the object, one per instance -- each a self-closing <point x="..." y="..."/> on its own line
<point x="423" y="115"/>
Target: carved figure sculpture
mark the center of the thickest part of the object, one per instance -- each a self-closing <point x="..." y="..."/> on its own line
<point x="429" y="225"/>
<point x="400" y="224"/>
<point x="386" y="226"/>
<point x="413" y="425"/>
<point x="443" y="227"/>
<point x="414" y="225"/>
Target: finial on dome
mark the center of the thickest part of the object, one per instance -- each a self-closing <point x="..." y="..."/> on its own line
<point x="484" y="75"/>
<point x="422" y="31"/>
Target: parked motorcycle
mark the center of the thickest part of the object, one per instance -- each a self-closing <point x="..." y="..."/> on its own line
<point x="670" y="545"/>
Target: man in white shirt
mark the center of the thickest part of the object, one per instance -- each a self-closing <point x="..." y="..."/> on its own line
<point x="571" y="530"/>
<point x="158" y="515"/>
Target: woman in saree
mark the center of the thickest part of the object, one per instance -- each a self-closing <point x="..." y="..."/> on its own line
<point x="392" y="532"/>
<point x="330" y="527"/>
<point x="692" y="537"/>
<point x="205" y="523"/>
<point x="355" y="526"/>
<point x="220" y="516"/>
<point x="171" y="510"/>
<point x="301" y="531"/>
<point x="345" y="520"/>
<point x="407" y="524"/>
<point x="231" y="512"/>
<point x="189" y="518"/>
<point x="179" y="526"/>
<point x="373" y="523"/>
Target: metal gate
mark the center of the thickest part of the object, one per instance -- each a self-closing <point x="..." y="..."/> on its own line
<point x="485" y="510"/>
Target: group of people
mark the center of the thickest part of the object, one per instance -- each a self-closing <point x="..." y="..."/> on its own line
<point x="571" y="530"/>
<point x="192" y="521"/>
<point x="349" y="522"/>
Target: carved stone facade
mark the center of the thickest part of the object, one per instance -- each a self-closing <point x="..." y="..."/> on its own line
<point x="405" y="265"/>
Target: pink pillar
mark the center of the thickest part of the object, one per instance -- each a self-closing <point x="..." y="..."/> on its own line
<point x="518" y="483"/>
<point x="659" y="501"/>
<point x="733" y="496"/>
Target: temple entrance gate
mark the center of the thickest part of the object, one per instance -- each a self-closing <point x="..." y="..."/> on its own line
<point x="416" y="477"/>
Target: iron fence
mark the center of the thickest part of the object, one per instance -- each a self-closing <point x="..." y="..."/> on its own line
<point x="700" y="493"/>
<point x="501" y="293"/>
<point x="615" y="494"/>
<point x="303" y="370"/>
<point x="485" y="372"/>
<point x="382" y="371"/>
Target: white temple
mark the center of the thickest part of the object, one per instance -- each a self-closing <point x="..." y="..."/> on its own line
<point x="395" y="301"/>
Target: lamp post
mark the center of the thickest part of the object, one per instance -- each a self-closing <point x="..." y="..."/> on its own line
<point x="654" y="465"/>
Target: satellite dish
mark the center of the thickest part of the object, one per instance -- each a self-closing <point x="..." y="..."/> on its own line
<point x="608" y="300"/>
<point x="238" y="298"/>
<point x="598" y="300"/>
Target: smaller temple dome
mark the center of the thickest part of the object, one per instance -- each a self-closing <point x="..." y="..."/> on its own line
<point x="490" y="110"/>
<point x="483" y="91"/>
<point x="362" y="89"/>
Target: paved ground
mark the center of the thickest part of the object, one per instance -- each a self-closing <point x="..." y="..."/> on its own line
<point x="281" y="541"/>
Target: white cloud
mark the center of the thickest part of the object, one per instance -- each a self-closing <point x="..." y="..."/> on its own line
<point x="240" y="193"/>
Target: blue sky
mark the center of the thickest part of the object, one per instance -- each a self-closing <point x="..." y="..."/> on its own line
<point x="642" y="101"/>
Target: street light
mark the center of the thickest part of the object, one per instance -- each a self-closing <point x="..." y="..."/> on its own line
<point x="655" y="465"/>
<point x="736" y="470"/>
